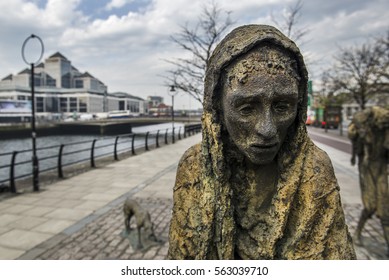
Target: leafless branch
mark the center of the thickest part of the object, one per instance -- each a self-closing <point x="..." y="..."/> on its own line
<point x="199" y="41"/>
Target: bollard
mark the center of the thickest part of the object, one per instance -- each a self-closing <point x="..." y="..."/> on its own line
<point x="179" y="133"/>
<point x="166" y="136"/>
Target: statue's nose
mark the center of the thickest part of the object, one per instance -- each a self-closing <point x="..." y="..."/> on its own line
<point x="265" y="126"/>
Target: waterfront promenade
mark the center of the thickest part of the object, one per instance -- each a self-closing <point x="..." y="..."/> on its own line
<point x="81" y="217"/>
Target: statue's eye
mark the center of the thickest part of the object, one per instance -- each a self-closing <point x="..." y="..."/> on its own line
<point x="246" y="110"/>
<point x="281" y="107"/>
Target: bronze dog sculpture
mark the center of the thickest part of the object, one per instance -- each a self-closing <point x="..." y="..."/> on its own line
<point x="143" y="221"/>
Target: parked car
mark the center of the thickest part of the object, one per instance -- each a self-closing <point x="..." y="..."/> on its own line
<point x="309" y="120"/>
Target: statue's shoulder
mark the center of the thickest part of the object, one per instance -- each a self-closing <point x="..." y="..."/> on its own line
<point x="188" y="171"/>
<point x="191" y="155"/>
<point x="320" y="157"/>
<point x="318" y="168"/>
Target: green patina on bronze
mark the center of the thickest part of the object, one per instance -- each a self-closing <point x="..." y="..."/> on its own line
<point x="230" y="205"/>
<point x="369" y="134"/>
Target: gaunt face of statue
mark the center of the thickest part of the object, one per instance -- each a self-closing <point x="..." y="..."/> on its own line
<point x="258" y="111"/>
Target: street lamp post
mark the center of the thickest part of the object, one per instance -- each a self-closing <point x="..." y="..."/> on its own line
<point x="172" y="92"/>
<point x="35" y="164"/>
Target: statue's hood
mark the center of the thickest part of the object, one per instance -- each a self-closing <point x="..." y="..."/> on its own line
<point x="216" y="196"/>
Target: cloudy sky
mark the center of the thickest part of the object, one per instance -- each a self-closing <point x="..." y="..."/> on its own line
<point x="124" y="43"/>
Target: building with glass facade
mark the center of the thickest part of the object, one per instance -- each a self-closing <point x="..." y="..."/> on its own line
<point x="62" y="90"/>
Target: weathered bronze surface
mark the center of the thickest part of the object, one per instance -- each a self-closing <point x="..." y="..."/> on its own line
<point x="144" y="237"/>
<point x="257" y="187"/>
<point x="369" y="134"/>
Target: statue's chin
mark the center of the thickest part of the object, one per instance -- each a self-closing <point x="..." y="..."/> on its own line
<point x="262" y="160"/>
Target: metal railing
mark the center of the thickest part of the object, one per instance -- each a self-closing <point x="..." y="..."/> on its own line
<point x="69" y="154"/>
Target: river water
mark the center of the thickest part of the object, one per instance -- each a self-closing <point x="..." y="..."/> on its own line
<point x="76" y="148"/>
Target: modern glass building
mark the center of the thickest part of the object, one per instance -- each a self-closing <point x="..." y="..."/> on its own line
<point x="62" y="90"/>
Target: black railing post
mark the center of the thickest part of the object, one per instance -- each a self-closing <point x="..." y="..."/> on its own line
<point x="92" y="154"/>
<point x="166" y="136"/>
<point x="179" y="133"/>
<point x="59" y="167"/>
<point x="173" y="140"/>
<point x="146" y="140"/>
<point x="133" y="144"/>
<point x="115" y="150"/>
<point x="12" y="172"/>
<point x="156" y="139"/>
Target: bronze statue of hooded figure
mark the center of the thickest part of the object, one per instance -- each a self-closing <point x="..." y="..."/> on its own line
<point x="256" y="187"/>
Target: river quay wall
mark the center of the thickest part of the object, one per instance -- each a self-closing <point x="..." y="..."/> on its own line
<point x="94" y="127"/>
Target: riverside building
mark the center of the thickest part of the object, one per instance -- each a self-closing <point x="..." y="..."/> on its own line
<point x="61" y="90"/>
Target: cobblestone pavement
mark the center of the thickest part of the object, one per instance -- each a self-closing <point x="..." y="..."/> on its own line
<point x="102" y="240"/>
<point x="374" y="245"/>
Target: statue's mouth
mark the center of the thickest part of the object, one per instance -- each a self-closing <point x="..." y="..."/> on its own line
<point x="264" y="147"/>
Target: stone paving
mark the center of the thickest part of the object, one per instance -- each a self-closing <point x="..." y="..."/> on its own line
<point x="102" y="240"/>
<point x="374" y="245"/>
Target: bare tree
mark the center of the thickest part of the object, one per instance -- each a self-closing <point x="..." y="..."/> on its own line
<point x="362" y="71"/>
<point x="290" y="20"/>
<point x="199" y="42"/>
<point x="382" y="47"/>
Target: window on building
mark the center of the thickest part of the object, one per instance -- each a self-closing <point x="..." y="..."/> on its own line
<point x="63" y="105"/>
<point x="133" y="106"/>
<point x="65" y="80"/>
<point x="79" y="84"/>
<point x="37" y="81"/>
<point x="40" y="104"/>
<point x="73" y="104"/>
<point x="51" y="104"/>
<point x="50" y="82"/>
<point x="21" y="97"/>
<point x="82" y="103"/>
<point x="122" y="105"/>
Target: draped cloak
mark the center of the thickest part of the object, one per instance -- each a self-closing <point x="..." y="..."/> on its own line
<point x="305" y="219"/>
<point x="369" y="134"/>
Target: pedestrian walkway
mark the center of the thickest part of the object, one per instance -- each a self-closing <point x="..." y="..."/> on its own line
<point x="33" y="222"/>
<point x="81" y="217"/>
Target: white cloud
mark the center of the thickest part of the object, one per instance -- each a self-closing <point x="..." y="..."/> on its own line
<point x="115" y="4"/>
<point x="61" y="13"/>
